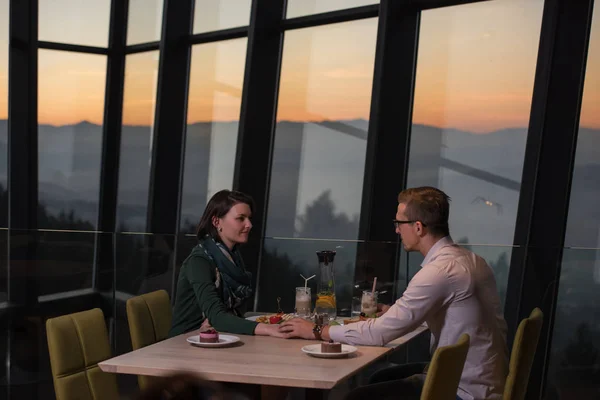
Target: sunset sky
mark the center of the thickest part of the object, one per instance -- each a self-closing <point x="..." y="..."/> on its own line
<point x="476" y="65"/>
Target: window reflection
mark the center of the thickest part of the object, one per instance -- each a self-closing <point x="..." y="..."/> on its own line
<point x="321" y="132"/>
<point x="144" y="21"/>
<point x="475" y="74"/>
<point x="70" y="114"/>
<point x="575" y="354"/>
<point x="74" y="21"/>
<point x="212" y="15"/>
<point x="299" y="8"/>
<point x="217" y="73"/>
<point x="318" y="158"/>
<point x="139" y="100"/>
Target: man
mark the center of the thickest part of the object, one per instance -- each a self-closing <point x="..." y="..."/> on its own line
<point x="454" y="293"/>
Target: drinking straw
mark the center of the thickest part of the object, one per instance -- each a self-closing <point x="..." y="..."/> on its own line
<point x="306" y="281"/>
<point x="374" y="283"/>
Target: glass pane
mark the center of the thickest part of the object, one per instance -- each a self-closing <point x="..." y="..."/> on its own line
<point x="574" y="369"/>
<point x="217" y="74"/>
<point x="139" y="101"/>
<point x="574" y="366"/>
<point x="321" y="132"/>
<point x="70" y="114"/>
<point x="584" y="214"/>
<point x="3" y="112"/>
<point x="75" y="21"/>
<point x="144" y="21"/>
<point x="213" y="15"/>
<point x="473" y="92"/>
<point x="298" y="8"/>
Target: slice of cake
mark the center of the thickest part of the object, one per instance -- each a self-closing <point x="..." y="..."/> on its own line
<point x="209" y="336"/>
<point x="331" y="347"/>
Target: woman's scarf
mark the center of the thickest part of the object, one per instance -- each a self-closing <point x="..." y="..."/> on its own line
<point x="237" y="282"/>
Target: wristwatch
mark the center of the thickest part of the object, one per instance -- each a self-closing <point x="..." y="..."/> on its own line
<point x="317" y="329"/>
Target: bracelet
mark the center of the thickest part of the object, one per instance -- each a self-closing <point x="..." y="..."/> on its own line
<point x="317" y="329"/>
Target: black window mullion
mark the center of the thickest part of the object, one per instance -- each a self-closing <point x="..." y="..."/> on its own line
<point x="547" y="173"/>
<point x="257" y="117"/>
<point x="170" y="119"/>
<point x="104" y="265"/>
<point x="22" y="148"/>
<point x="390" y="119"/>
<point x="388" y="142"/>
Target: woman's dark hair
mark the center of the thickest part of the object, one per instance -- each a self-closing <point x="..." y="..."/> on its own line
<point x="218" y="206"/>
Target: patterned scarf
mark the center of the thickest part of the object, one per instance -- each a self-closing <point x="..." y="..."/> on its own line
<point x="237" y="282"/>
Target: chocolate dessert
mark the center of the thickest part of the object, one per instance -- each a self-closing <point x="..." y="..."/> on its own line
<point x="331" y="347"/>
<point x="209" y="336"/>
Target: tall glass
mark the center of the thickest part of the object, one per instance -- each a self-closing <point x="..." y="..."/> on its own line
<point x="326" y="303"/>
<point x="368" y="303"/>
<point x="302" y="301"/>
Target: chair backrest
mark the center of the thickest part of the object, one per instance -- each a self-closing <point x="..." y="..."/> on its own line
<point x="521" y="357"/>
<point x="149" y="317"/>
<point x="445" y="369"/>
<point x="77" y="343"/>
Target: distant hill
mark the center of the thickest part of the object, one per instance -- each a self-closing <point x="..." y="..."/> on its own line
<point x="309" y="160"/>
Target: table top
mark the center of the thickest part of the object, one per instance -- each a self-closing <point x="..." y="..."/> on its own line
<point x="259" y="360"/>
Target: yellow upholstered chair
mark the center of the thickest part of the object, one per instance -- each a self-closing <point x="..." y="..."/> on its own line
<point x="77" y="343"/>
<point x="149" y="317"/>
<point x="444" y="371"/>
<point x="521" y="357"/>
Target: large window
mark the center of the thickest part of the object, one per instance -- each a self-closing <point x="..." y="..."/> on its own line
<point x="299" y="8"/>
<point x="319" y="154"/>
<point x="74" y="21"/>
<point x="70" y="112"/>
<point x="217" y="74"/>
<point x="144" y="21"/>
<point x="213" y="15"/>
<point x="574" y="370"/>
<point x="139" y="100"/>
<point x="475" y="72"/>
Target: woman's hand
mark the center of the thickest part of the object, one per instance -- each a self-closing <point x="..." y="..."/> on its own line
<point x="382" y="309"/>
<point x="269" y="330"/>
<point x="297" y="328"/>
<point x="205" y="325"/>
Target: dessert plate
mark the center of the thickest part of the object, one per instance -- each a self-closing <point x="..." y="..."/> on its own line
<point x="315" y="351"/>
<point x="224" y="340"/>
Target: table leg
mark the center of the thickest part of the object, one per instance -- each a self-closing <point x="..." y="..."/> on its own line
<point x="316" y="394"/>
<point x="268" y="392"/>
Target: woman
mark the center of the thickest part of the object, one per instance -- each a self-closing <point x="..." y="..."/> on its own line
<point x="213" y="286"/>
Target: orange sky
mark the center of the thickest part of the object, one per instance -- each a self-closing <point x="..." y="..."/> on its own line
<point x="475" y="68"/>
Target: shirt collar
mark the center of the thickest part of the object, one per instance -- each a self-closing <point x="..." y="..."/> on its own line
<point x="445" y="241"/>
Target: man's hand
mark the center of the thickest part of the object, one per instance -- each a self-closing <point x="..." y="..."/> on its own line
<point x="297" y="328"/>
<point x="382" y="309"/>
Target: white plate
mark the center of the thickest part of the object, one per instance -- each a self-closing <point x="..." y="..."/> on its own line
<point x="286" y="317"/>
<point x="224" y="340"/>
<point x="315" y="351"/>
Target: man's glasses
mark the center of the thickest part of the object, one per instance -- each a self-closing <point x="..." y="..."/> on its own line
<point x="397" y="223"/>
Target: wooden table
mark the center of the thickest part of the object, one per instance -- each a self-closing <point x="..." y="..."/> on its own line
<point x="259" y="360"/>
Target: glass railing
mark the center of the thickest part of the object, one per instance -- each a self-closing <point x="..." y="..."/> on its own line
<point x="55" y="272"/>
